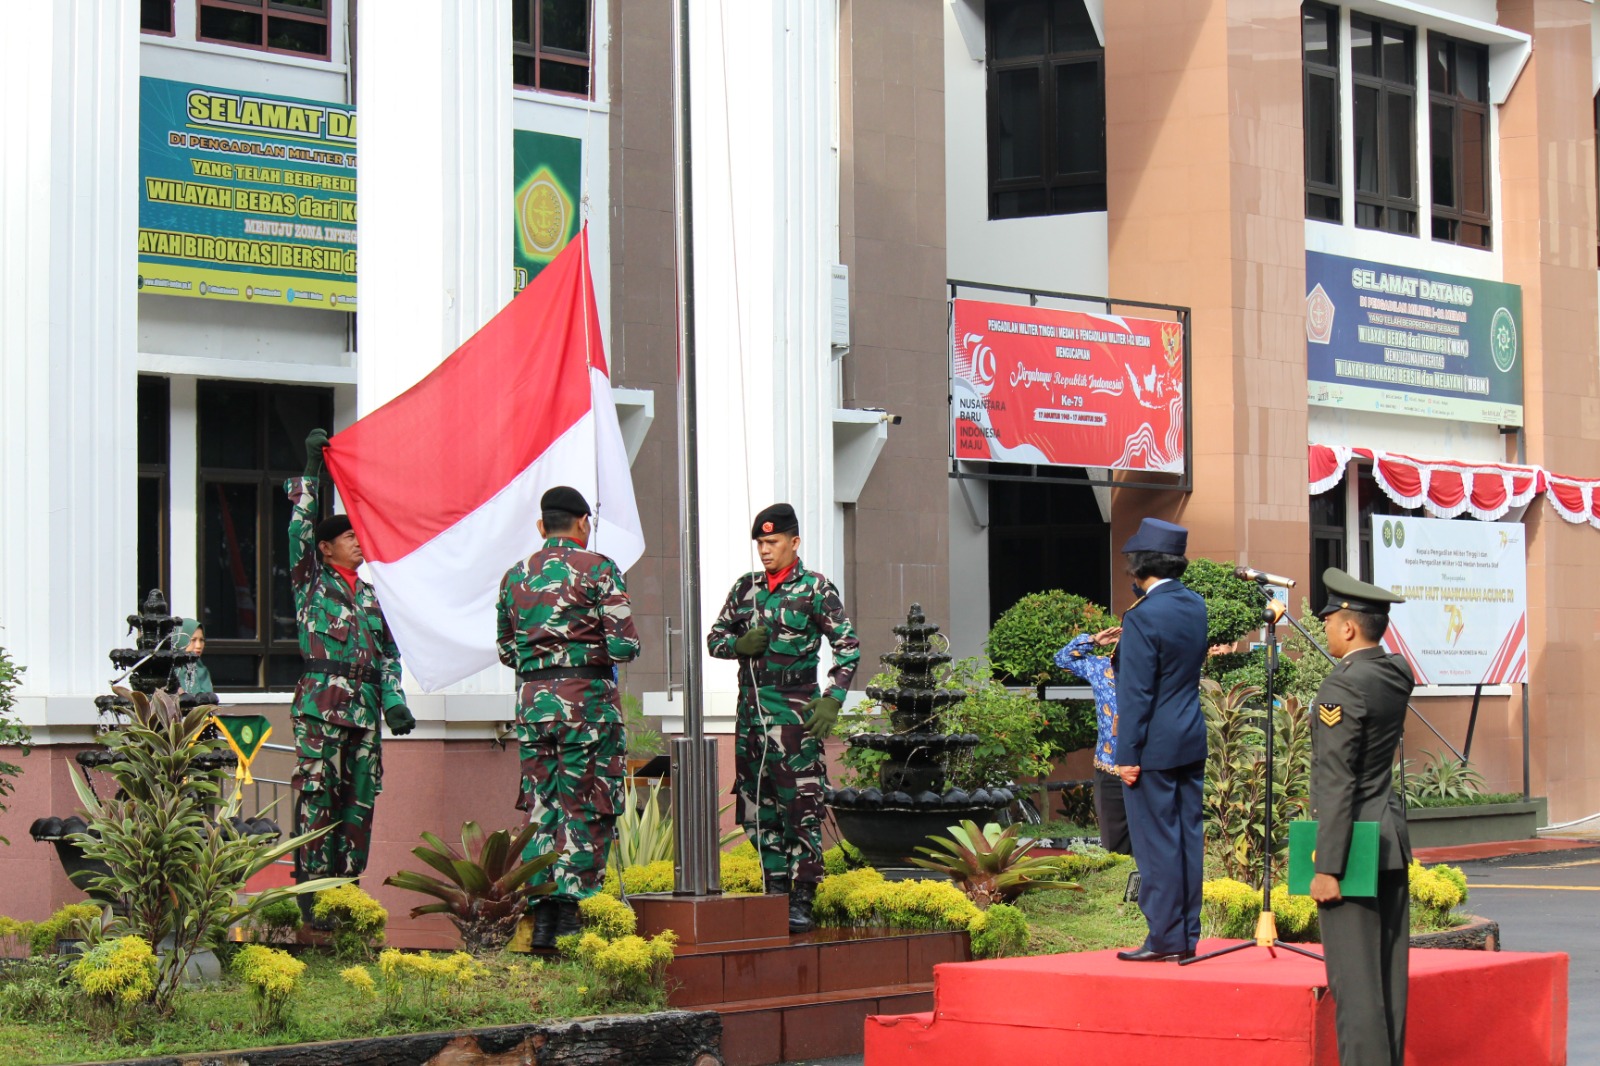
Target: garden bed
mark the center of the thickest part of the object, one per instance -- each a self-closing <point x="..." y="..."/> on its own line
<point x="1476" y="823"/>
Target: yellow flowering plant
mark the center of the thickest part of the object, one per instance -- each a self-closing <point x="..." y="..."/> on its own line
<point x="117" y="975"/>
<point x="627" y="967"/>
<point x="272" y="976"/>
<point x="863" y="898"/>
<point x="357" y="918"/>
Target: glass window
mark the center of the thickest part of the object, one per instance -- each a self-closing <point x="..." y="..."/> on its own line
<point x="155" y="16"/>
<point x="1458" y="140"/>
<point x="1383" y="70"/>
<point x="294" y="27"/>
<point x="550" y="46"/>
<point x="1047" y="112"/>
<point x="1319" y="45"/>
<point x="252" y="439"/>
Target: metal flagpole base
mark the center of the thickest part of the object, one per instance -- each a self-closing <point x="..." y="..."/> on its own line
<point x="697" y="868"/>
<point x="1266" y="937"/>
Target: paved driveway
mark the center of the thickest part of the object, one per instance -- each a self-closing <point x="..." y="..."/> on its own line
<point x="1550" y="902"/>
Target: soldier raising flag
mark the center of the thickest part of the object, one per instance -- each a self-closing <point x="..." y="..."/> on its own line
<point x="351" y="675"/>
<point x="564" y="624"/>
<point x="773" y="623"/>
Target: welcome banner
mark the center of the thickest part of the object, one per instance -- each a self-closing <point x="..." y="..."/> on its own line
<point x="1465" y="619"/>
<point x="1065" y="388"/>
<point x="246" y="196"/>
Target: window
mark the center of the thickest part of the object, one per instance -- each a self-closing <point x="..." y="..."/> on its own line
<point x="154" y="430"/>
<point x="1047" y="109"/>
<point x="1458" y="114"/>
<point x="1383" y="67"/>
<point x="1319" y="49"/>
<point x="252" y="438"/>
<point x="1046" y="535"/>
<point x="294" y="27"/>
<point x="155" y="16"/>
<point x="1329" y="535"/>
<point x="550" y="46"/>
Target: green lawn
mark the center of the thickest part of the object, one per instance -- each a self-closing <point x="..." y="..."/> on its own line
<point x="220" y="1017"/>
<point x="1091" y="920"/>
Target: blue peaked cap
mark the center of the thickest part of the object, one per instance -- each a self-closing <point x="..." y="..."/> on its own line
<point x="1154" y="535"/>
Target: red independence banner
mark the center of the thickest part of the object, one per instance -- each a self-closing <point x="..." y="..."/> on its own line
<point x="1065" y="388"/>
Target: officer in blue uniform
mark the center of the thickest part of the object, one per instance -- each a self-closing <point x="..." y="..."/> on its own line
<point x="1161" y="739"/>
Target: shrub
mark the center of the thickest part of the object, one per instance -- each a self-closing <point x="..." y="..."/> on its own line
<point x="16" y="938"/>
<point x="177" y="864"/>
<point x="427" y="983"/>
<point x="1011" y="728"/>
<point x="12" y="732"/>
<point x="485" y="889"/>
<point x="1435" y="892"/>
<point x="117" y="975"/>
<point x="272" y="977"/>
<point x="1443" y="779"/>
<point x="1235" y="799"/>
<point x="276" y="923"/>
<point x="35" y="991"/>
<point x="999" y="931"/>
<point x="842" y="857"/>
<point x="607" y="916"/>
<point x="359" y="979"/>
<point x="358" y="920"/>
<point x="741" y="872"/>
<point x="1296" y="916"/>
<point x="627" y="967"/>
<point x="1229" y="909"/>
<point x="1024" y="640"/>
<point x="990" y="865"/>
<point x="1233" y="605"/>
<point x="63" y="924"/>
<point x="862" y="898"/>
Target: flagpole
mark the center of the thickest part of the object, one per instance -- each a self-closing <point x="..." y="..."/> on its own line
<point x="696" y="870"/>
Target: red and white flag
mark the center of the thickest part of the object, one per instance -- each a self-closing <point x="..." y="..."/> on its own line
<point x="443" y="482"/>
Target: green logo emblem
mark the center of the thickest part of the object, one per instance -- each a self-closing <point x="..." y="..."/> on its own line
<point x="1503" y="340"/>
<point x="1388" y="534"/>
<point x="247" y="736"/>
<point x="1399" y="534"/>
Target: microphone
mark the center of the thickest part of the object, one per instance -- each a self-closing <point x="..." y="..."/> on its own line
<point x="1261" y="577"/>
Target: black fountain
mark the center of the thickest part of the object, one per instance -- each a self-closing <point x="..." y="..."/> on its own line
<point x="150" y="665"/>
<point x="912" y="800"/>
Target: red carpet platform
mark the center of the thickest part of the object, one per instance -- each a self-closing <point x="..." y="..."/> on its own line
<point x="1468" y="1008"/>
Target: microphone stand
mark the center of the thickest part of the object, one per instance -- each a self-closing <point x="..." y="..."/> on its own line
<point x="1266" y="926"/>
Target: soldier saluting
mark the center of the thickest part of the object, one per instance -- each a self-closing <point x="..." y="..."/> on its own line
<point x="1360" y="715"/>
<point x="351" y="674"/>
<point x="773" y="623"/>
<point x="564" y="624"/>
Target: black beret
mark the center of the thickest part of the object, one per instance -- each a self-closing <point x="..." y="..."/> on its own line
<point x="333" y="528"/>
<point x="779" y="518"/>
<point x="564" y="498"/>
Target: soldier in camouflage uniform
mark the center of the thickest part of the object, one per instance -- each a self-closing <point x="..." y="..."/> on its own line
<point x="773" y="624"/>
<point x="351" y="674"/>
<point x="564" y="624"/>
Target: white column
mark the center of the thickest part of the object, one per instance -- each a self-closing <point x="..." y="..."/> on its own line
<point x="434" y="209"/>
<point x="68" y="353"/>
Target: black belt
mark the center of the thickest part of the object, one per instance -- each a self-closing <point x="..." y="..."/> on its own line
<point x="561" y="673"/>
<point x="357" y="672"/>
<point x="775" y="678"/>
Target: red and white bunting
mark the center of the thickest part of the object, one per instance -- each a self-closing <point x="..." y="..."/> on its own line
<point x="1447" y="487"/>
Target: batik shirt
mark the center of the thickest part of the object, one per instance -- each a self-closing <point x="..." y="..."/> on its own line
<point x="565" y="606"/>
<point x="1078" y="658"/>
<point x="339" y="623"/>
<point x="802" y="610"/>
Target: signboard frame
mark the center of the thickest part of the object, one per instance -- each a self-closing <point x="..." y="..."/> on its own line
<point x="963" y="470"/>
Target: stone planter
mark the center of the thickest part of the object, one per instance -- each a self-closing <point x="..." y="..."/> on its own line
<point x="670" y="1038"/>
<point x="1479" y="823"/>
<point x="1479" y="934"/>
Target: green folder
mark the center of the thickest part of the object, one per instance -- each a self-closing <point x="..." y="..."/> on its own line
<point x="1360" y="868"/>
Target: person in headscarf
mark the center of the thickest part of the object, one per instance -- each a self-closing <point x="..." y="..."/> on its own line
<point x="194" y="678"/>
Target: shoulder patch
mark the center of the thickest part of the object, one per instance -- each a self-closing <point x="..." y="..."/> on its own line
<point x="1330" y="713"/>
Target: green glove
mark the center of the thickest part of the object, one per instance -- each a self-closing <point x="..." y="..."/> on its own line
<point x="315" y="442"/>
<point x="754" y="641"/>
<point x="824" y="712"/>
<point x="400" y="720"/>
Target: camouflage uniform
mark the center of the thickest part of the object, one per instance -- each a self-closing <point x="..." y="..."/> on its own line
<point x="339" y="766"/>
<point x="566" y="606"/>
<point x="778" y="769"/>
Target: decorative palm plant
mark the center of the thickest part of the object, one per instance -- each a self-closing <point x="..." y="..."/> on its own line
<point x="991" y="865"/>
<point x="484" y="889"/>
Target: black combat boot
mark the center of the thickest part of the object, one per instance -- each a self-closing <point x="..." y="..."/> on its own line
<point x="777" y="886"/>
<point x="567" y="921"/>
<point x="800" y="907"/>
<point x="544" y="925"/>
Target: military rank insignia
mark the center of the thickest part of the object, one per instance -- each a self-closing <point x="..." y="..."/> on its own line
<point x="1330" y="713"/>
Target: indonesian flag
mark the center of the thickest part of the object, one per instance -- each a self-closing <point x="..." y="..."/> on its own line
<point x="443" y="482"/>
